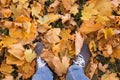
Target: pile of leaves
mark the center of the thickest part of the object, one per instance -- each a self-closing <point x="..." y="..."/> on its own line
<point x="62" y="26"/>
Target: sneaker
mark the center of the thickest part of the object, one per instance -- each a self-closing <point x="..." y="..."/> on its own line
<point x="82" y="59"/>
<point x="38" y="49"/>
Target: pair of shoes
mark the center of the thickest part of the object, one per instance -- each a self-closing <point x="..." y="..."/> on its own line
<point x="81" y="59"/>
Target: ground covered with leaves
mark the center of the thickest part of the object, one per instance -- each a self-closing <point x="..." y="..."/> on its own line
<point x="62" y="26"/>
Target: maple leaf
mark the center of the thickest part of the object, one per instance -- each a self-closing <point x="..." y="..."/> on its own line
<point x="27" y="70"/>
<point x="36" y="10"/>
<point x="108" y="32"/>
<point x="92" y="47"/>
<point x="89" y="26"/>
<point x="53" y="35"/>
<point x="65" y="34"/>
<point x="74" y="9"/>
<point x="47" y="19"/>
<point x="8" y="41"/>
<point x="78" y="42"/>
<point x="17" y="50"/>
<point x="29" y="55"/>
<point x="4" y="68"/>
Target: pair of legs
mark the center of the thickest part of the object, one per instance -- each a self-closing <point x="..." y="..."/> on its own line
<point x="75" y="71"/>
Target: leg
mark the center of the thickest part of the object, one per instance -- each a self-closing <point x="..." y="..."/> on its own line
<point x="43" y="73"/>
<point x="76" y="72"/>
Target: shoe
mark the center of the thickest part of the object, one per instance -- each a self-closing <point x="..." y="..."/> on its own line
<point x="38" y="49"/>
<point x="82" y="59"/>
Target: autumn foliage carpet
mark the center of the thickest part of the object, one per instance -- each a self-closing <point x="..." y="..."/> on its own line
<point x="61" y="25"/>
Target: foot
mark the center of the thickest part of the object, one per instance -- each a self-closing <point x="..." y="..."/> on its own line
<point x="82" y="59"/>
<point x="38" y="49"/>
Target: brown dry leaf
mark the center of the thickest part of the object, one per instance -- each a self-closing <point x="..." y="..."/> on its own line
<point x="29" y="55"/>
<point x="54" y="62"/>
<point x="54" y="6"/>
<point x="65" y="34"/>
<point x="110" y="76"/>
<point x="53" y="35"/>
<point x="13" y="60"/>
<point x="17" y="51"/>
<point x="78" y="42"/>
<point x="90" y="26"/>
<point x="8" y="77"/>
<point x="6" y="69"/>
<point x="68" y="4"/>
<point x="43" y="28"/>
<point x="65" y="17"/>
<point x="56" y="49"/>
<point x="27" y="69"/>
<point x="103" y="68"/>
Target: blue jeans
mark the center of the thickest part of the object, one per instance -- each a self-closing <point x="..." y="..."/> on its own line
<point x="74" y="73"/>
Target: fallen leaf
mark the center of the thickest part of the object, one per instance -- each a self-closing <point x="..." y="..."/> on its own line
<point x="74" y="9"/>
<point x="17" y="51"/>
<point x="89" y="26"/>
<point x="78" y="42"/>
<point x="68" y="4"/>
<point x="116" y="53"/>
<point x="65" y="34"/>
<point x="29" y="55"/>
<point x="53" y="35"/>
<point x="6" y="69"/>
<point x="27" y="70"/>
<point x="13" y="60"/>
<point x="108" y="32"/>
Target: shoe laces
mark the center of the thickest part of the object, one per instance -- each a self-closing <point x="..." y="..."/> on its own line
<point x="79" y="60"/>
<point x="40" y="62"/>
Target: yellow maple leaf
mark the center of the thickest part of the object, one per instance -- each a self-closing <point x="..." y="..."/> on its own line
<point x="74" y="9"/>
<point x="65" y="34"/>
<point x="47" y="19"/>
<point x="8" y="41"/>
<point x="108" y="32"/>
<point x="29" y="55"/>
